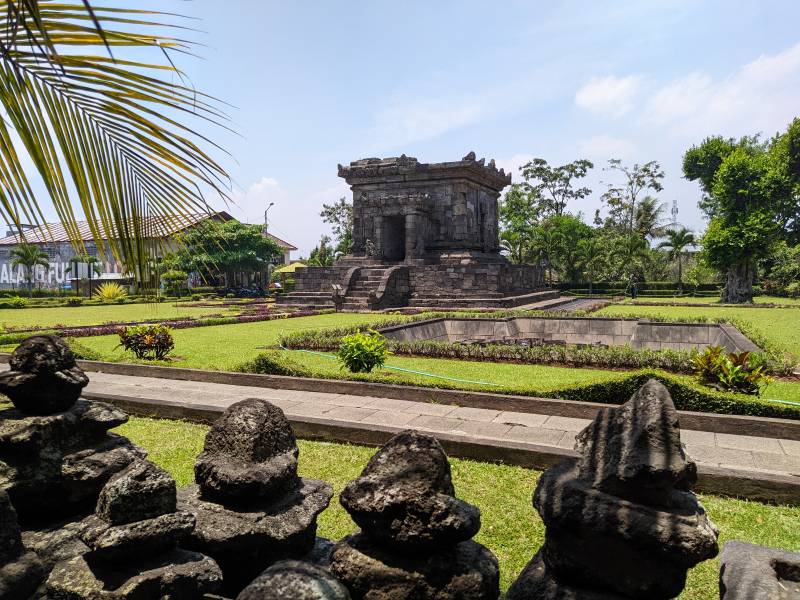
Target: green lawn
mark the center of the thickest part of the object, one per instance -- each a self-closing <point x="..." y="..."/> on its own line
<point x="780" y="326"/>
<point x="222" y="347"/>
<point x="97" y="315"/>
<point x="511" y="528"/>
<point x="714" y="300"/>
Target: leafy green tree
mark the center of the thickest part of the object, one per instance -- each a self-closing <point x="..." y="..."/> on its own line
<point x="623" y="199"/>
<point x="592" y="258"/>
<point x="216" y="248"/>
<point x="676" y="243"/>
<point x="113" y="132"/>
<point x="553" y="186"/>
<point x="339" y="216"/>
<point x="175" y="281"/>
<point x="518" y="216"/>
<point x="29" y="256"/>
<point x="784" y="266"/>
<point x="323" y="254"/>
<point x="752" y="196"/>
<point x="555" y="241"/>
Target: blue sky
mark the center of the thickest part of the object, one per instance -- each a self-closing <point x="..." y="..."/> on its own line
<point x="314" y="84"/>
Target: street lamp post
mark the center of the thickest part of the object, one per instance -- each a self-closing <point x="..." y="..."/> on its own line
<point x="266" y="223"/>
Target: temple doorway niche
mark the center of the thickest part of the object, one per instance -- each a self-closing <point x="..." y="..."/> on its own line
<point x="394" y="239"/>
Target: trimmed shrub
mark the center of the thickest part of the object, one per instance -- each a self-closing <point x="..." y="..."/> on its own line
<point x="82" y="352"/>
<point x="73" y="301"/>
<point x="14" y="302"/>
<point x="147" y="342"/>
<point x="273" y="362"/>
<point x="362" y="352"/>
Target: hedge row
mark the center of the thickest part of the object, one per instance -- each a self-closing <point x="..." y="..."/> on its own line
<point x="686" y="395"/>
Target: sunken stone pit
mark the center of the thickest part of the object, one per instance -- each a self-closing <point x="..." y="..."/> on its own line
<point x="415" y="538"/>
<point x="622" y="522"/>
<point x="252" y="509"/>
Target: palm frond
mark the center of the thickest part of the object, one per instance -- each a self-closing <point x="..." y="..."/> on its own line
<point x="116" y="135"/>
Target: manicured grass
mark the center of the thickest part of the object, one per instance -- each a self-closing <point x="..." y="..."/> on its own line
<point x="97" y="315"/>
<point x="711" y="300"/>
<point x="511" y="528"/>
<point x="223" y="347"/>
<point x="779" y="326"/>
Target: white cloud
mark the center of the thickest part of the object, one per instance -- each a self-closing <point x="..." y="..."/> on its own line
<point x="249" y="204"/>
<point x="513" y="164"/>
<point x="405" y="122"/>
<point x="602" y="147"/>
<point x="609" y="96"/>
<point x="761" y="96"/>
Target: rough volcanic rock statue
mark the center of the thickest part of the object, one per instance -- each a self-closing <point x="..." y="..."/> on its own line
<point x="44" y="378"/>
<point x="251" y="507"/>
<point x="294" y="580"/>
<point x="751" y="572"/>
<point x="20" y="570"/>
<point x="621" y="521"/>
<point x="415" y="534"/>
<point x="55" y="450"/>
<point x="133" y="539"/>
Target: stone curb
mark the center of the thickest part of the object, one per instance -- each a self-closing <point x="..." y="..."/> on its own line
<point x="716" y="423"/>
<point x="758" y="486"/>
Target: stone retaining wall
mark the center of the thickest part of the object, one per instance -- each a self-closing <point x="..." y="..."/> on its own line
<point x="607" y="332"/>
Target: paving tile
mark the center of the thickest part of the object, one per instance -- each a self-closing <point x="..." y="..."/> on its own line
<point x="777" y="462"/>
<point x="746" y="442"/>
<point x="390" y="418"/>
<point x="515" y="418"/>
<point x="308" y="409"/>
<point x="422" y="408"/>
<point x="691" y="438"/>
<point x="347" y="400"/>
<point x="348" y="413"/>
<point x="483" y="429"/>
<point x="535" y="435"/>
<point x="568" y="441"/>
<point x="566" y="423"/>
<point x="473" y="414"/>
<point x="725" y="457"/>
<point x="791" y="447"/>
<point x="433" y="423"/>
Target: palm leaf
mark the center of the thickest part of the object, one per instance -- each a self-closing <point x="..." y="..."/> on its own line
<point x="115" y="137"/>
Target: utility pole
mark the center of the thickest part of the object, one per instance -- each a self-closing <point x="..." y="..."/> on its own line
<point x="266" y="223"/>
<point x="674" y="212"/>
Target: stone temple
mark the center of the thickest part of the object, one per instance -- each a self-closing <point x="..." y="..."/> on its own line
<point x="423" y="235"/>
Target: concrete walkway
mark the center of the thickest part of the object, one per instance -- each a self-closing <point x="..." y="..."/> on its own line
<point x="737" y="452"/>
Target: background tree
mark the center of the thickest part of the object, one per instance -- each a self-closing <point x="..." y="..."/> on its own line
<point x="552" y="187"/>
<point x="92" y="268"/>
<point x="215" y="248"/>
<point x="751" y="193"/>
<point x="519" y="214"/>
<point x="649" y="218"/>
<point x="29" y="256"/>
<point x="339" y="216"/>
<point x="323" y="254"/>
<point x="112" y="133"/>
<point x="623" y="200"/>
<point x="175" y="281"/>
<point x="592" y="258"/>
<point x="678" y="240"/>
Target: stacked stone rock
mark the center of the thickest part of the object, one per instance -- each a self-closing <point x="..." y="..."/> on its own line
<point x="621" y="520"/>
<point x="751" y="572"/>
<point x="133" y="538"/>
<point x="252" y="509"/>
<point x="55" y="450"/>
<point x="415" y="539"/>
<point x="20" y="570"/>
<point x="294" y="580"/>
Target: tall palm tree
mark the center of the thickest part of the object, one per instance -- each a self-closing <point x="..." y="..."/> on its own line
<point x="29" y="256"/>
<point x="648" y="217"/>
<point x="115" y="130"/>
<point x="592" y="258"/>
<point x="676" y="243"/>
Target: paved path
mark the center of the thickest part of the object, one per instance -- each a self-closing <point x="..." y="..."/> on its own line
<point x="745" y="453"/>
